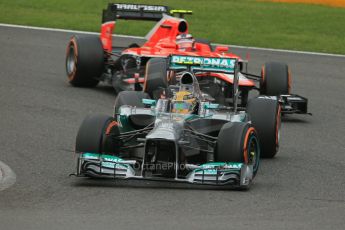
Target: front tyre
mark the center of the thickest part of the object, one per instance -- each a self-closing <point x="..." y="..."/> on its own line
<point x="275" y="79"/>
<point x="96" y="135"/>
<point x="238" y="142"/>
<point x="265" y="115"/>
<point x="84" y="61"/>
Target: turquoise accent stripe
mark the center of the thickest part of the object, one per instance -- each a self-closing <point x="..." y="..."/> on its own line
<point x="96" y="156"/>
<point x="111" y="161"/>
<point x="149" y="102"/>
<point x="214" y="167"/>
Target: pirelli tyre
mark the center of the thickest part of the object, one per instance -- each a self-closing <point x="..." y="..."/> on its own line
<point x="155" y="76"/>
<point x="265" y="115"/>
<point x="238" y="142"/>
<point x="97" y="134"/>
<point x="84" y="60"/>
<point x="132" y="98"/>
<point x="275" y="79"/>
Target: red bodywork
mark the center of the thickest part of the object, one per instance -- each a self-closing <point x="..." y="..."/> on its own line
<point x="161" y="42"/>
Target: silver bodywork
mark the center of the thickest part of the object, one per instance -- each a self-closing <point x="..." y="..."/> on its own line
<point x="172" y="128"/>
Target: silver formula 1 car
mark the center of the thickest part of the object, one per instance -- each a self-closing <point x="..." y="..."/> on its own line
<point x="183" y="136"/>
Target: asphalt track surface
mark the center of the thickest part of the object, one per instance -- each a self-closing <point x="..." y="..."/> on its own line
<point x="302" y="188"/>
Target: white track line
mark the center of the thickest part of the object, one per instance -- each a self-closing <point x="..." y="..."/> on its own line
<point x="61" y="30"/>
<point x="7" y="176"/>
<point x="287" y="51"/>
<point x="138" y="37"/>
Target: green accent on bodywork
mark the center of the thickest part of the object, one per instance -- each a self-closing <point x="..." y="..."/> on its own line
<point x="213" y="167"/>
<point x="149" y="102"/>
<point x="95" y="156"/>
<point x="111" y="161"/>
<point x="125" y="125"/>
<point x="191" y="117"/>
<point x="211" y="106"/>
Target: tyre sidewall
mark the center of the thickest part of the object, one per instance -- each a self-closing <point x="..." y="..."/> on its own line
<point x="233" y="144"/>
<point x="91" y="132"/>
<point x="275" y="79"/>
<point x="88" y="61"/>
<point x="265" y="115"/>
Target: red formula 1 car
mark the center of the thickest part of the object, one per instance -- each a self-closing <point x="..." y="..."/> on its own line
<point x="91" y="59"/>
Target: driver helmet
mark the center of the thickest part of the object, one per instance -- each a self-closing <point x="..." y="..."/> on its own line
<point x="184" y="102"/>
<point x="184" y="42"/>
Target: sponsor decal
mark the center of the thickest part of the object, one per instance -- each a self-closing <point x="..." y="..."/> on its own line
<point x="269" y="97"/>
<point x="112" y="159"/>
<point x="95" y="156"/>
<point x="203" y="63"/>
<point x="91" y="156"/>
<point x="295" y="98"/>
<point x="138" y="7"/>
<point x="210" y="171"/>
<point x="211" y="168"/>
<point x="107" y="161"/>
<point x="234" y="165"/>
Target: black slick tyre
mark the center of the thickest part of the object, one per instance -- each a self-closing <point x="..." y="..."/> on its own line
<point x="93" y="135"/>
<point x="238" y="142"/>
<point x="265" y="115"/>
<point x="84" y="61"/>
<point x="275" y="79"/>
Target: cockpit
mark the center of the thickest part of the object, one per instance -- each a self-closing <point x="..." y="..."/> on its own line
<point x="186" y="99"/>
<point x="185" y="42"/>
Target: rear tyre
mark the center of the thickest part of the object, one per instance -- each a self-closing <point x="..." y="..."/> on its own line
<point x="238" y="142"/>
<point x="275" y="79"/>
<point x="84" y="61"/>
<point x="94" y="135"/>
<point x="265" y="115"/>
<point x="155" y="76"/>
<point x="132" y="98"/>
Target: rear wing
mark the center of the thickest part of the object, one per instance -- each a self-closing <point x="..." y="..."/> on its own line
<point x="131" y="12"/>
<point x="138" y="12"/>
<point x="203" y="64"/>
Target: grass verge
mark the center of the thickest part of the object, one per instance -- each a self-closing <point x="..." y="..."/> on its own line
<point x="245" y="22"/>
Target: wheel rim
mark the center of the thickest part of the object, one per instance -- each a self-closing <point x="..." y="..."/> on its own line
<point x="71" y="62"/>
<point x="253" y="152"/>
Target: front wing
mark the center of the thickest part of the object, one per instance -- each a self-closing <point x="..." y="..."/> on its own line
<point x="215" y="173"/>
<point x="294" y="103"/>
